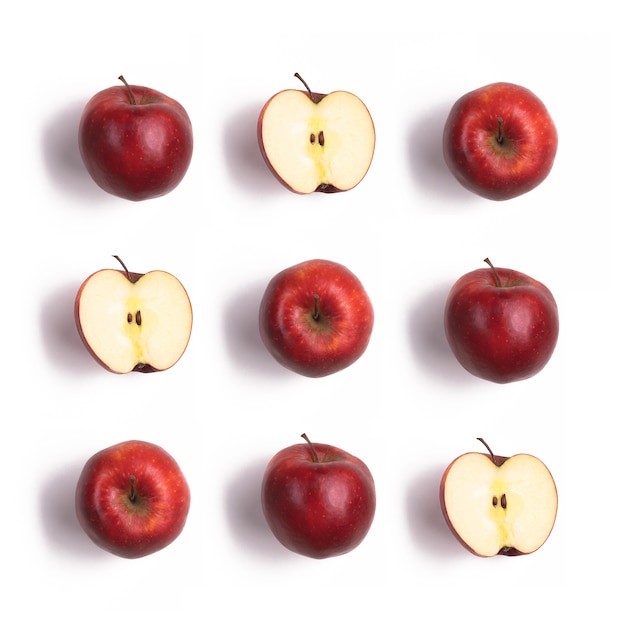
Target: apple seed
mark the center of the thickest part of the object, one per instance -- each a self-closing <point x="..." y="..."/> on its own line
<point x="494" y="501"/>
<point x="129" y="318"/>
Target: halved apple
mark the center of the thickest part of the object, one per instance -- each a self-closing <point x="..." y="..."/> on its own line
<point x="133" y="322"/>
<point x="316" y="142"/>
<point x="497" y="505"/>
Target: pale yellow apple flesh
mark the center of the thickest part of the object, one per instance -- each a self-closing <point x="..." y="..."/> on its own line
<point x="310" y="145"/>
<point x="143" y="325"/>
<point x="494" y="509"/>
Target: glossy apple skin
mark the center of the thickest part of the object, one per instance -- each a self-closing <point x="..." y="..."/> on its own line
<point x="493" y="170"/>
<point x="135" y="151"/>
<point x="318" y="509"/>
<point x="501" y="333"/>
<point x="106" y="513"/>
<point x="291" y="334"/>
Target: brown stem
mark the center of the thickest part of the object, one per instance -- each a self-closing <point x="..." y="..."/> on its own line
<point x="124" y="266"/>
<point x="500" y="135"/>
<point x="304" y="83"/>
<point x="315" y="457"/>
<point x="316" y="307"/>
<point x="490" y="264"/>
<point x="132" y="495"/>
<point x="130" y="91"/>
<point x="493" y="458"/>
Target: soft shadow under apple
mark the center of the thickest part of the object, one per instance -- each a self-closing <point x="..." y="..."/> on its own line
<point x="62" y="157"/>
<point x="245" y="515"/>
<point x="427" y="524"/>
<point x="243" y="155"/>
<point x="425" y="154"/>
<point x="60" y="335"/>
<point x="428" y="340"/>
<point x="241" y="323"/>
<point x="59" y="518"/>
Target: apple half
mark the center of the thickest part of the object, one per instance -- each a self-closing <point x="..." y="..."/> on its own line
<point x="497" y="505"/>
<point x="316" y="142"/>
<point x="133" y="322"/>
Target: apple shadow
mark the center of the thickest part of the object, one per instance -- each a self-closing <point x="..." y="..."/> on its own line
<point x="245" y="513"/>
<point x="425" y="154"/>
<point x="58" y="515"/>
<point x="243" y="155"/>
<point x="428" y="339"/>
<point x="241" y="323"/>
<point x="62" y="157"/>
<point x="427" y="525"/>
<point x="60" y="335"/>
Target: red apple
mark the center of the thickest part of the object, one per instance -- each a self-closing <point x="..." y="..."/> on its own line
<point x="133" y="322"/>
<point x="501" y="324"/>
<point x="316" y="318"/>
<point x="132" y="499"/>
<point x="499" y="141"/>
<point x="135" y="142"/>
<point x="498" y="505"/>
<point x="316" y="142"/>
<point x="318" y="500"/>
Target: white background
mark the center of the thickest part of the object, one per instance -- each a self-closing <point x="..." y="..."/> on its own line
<point x="408" y="231"/>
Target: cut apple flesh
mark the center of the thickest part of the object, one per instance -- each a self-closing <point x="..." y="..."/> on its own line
<point x="505" y="509"/>
<point x="314" y="146"/>
<point x="143" y="325"/>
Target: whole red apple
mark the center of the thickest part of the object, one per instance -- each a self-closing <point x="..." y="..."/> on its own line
<point x="316" y="318"/>
<point x="132" y="499"/>
<point x="319" y="501"/>
<point x="135" y="142"/>
<point x="498" y="505"/>
<point x="499" y="141"/>
<point x="501" y="324"/>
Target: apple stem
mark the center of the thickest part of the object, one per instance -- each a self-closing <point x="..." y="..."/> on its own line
<point x="500" y="135"/>
<point x="490" y="264"/>
<point x="130" y="91"/>
<point x="131" y="495"/>
<point x="122" y="264"/>
<point x="316" y="308"/>
<point x="315" y="457"/>
<point x="493" y="458"/>
<point x="304" y="83"/>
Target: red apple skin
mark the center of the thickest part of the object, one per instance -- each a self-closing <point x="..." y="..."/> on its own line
<point x="104" y="508"/>
<point x="316" y="98"/>
<point x="143" y="368"/>
<point x="318" y="509"/>
<point x="505" y="551"/>
<point x="492" y="169"/>
<point x="135" y="151"/>
<point x="291" y="334"/>
<point x="501" y="333"/>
